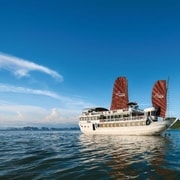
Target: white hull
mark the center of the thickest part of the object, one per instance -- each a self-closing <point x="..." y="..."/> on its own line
<point x="155" y="128"/>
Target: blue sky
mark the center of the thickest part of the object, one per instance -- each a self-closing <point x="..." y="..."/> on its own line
<point x="58" y="57"/>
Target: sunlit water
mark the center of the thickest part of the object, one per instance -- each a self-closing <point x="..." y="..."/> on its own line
<point x="72" y="155"/>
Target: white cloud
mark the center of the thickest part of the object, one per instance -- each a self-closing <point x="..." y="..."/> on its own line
<point x="21" y="67"/>
<point x="19" y="115"/>
<point x="66" y="101"/>
<point x="62" y="115"/>
<point x="14" y="115"/>
<point x="53" y="115"/>
<point x="15" y="89"/>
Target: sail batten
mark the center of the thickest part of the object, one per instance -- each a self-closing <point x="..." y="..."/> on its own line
<point x="159" y="97"/>
<point x="120" y="94"/>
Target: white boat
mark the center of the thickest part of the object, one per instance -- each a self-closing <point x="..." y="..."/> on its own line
<point x="124" y="117"/>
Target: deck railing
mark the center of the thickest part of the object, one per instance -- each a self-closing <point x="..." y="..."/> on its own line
<point x="110" y="118"/>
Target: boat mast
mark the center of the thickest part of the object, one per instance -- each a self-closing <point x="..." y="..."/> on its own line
<point x="167" y="91"/>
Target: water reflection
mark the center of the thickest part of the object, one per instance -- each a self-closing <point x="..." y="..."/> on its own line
<point x="129" y="156"/>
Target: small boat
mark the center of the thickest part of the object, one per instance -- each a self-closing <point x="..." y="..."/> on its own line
<point x="126" y="118"/>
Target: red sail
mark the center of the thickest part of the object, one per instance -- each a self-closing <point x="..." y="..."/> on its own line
<point x="120" y="94"/>
<point x="159" y="97"/>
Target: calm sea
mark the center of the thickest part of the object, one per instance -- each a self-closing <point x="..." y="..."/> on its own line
<point x="72" y="155"/>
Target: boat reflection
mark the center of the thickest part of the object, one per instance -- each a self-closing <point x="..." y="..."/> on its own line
<point x="129" y="156"/>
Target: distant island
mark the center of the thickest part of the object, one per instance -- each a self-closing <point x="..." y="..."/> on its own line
<point x="30" y="128"/>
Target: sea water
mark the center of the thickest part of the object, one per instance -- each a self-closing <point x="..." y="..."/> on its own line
<point x="73" y="155"/>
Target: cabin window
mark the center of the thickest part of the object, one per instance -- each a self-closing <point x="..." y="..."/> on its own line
<point x="102" y="117"/>
<point x="116" y="116"/>
<point x="126" y="115"/>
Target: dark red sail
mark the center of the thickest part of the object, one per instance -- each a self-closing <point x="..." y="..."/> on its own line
<point x="120" y="94"/>
<point x="159" y="97"/>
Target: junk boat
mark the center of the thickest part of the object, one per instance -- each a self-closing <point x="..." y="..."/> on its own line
<point x="126" y="118"/>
